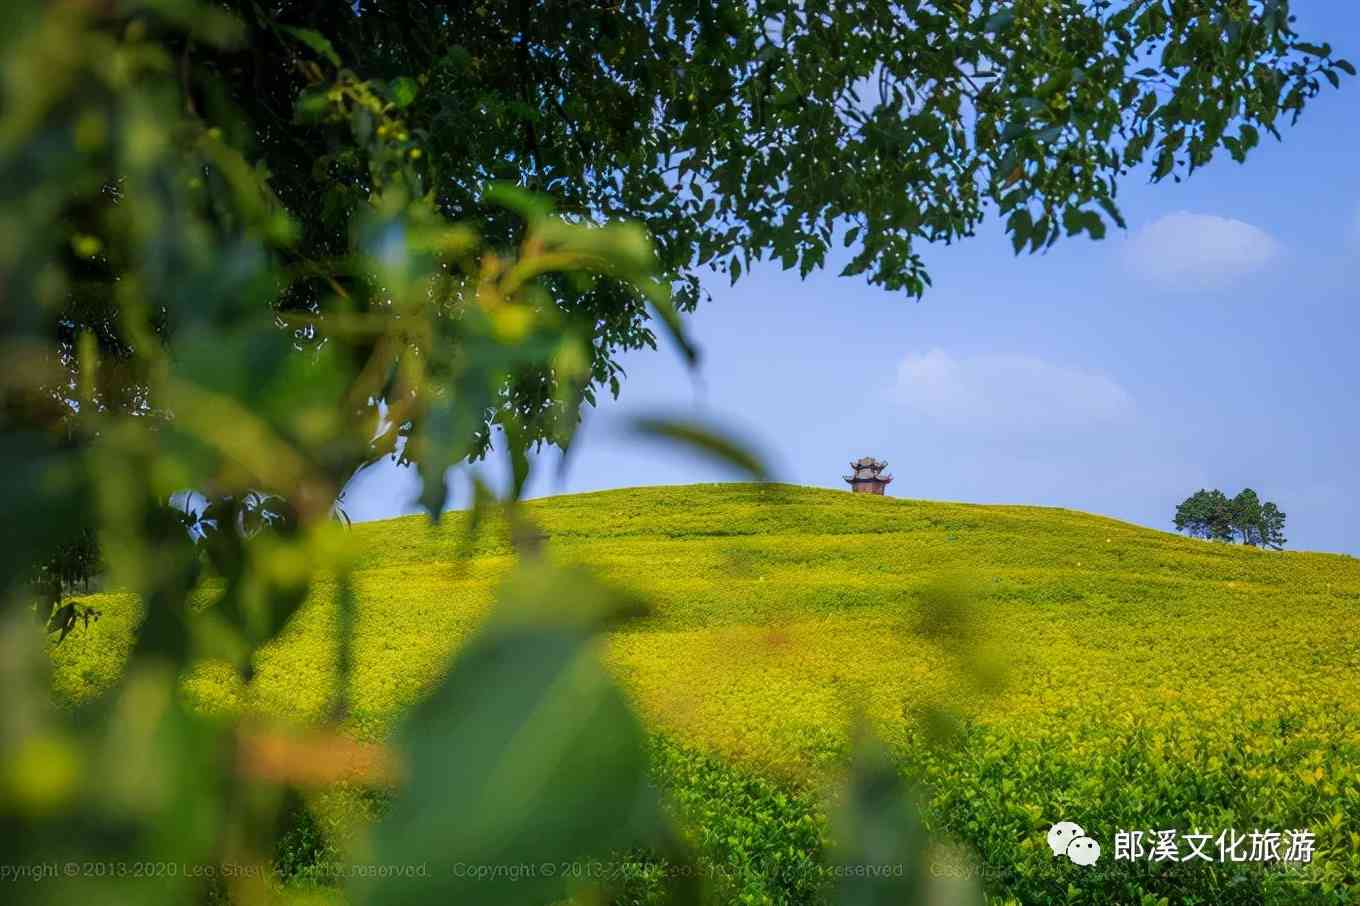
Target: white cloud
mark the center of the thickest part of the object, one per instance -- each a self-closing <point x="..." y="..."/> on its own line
<point x="1007" y="392"/>
<point x="1199" y="251"/>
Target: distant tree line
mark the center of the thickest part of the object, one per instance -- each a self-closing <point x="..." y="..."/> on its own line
<point x="213" y="528"/>
<point x="1214" y="516"/>
<point x="70" y="567"/>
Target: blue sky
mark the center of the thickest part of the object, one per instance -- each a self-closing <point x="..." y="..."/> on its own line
<point x="1214" y="344"/>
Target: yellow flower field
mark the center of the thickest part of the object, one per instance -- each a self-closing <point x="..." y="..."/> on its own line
<point x="1028" y="664"/>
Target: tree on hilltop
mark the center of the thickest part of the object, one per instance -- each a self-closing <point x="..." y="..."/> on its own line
<point x="1205" y="514"/>
<point x="1211" y="515"/>
<point x="1260" y="524"/>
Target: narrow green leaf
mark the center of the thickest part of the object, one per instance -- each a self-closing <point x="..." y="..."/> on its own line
<point x="315" y="40"/>
<point x="1113" y="210"/>
<point x="675" y="329"/>
<point x="529" y="205"/>
<point x="1165" y="162"/>
<point x="517" y="452"/>
<point x="1021" y="225"/>
<point x="705" y="440"/>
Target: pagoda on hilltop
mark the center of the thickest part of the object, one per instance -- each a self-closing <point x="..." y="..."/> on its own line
<point x="867" y="476"/>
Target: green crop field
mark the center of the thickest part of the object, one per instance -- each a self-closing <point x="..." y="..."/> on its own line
<point x="1026" y="665"/>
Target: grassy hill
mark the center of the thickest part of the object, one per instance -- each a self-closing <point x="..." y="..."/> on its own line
<point x="1027" y="664"/>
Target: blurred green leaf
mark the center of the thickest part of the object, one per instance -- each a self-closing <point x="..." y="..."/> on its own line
<point x="525" y="759"/>
<point x="404" y="91"/>
<point x="315" y="40"/>
<point x="675" y="329"/>
<point x="529" y="205"/>
<point x="705" y="440"/>
<point x="880" y="844"/>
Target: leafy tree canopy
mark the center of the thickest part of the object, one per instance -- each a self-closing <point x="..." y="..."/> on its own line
<point x="1213" y="516"/>
<point x="734" y="131"/>
<point x="1205" y="514"/>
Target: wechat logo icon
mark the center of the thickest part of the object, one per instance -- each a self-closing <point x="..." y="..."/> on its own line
<point x="1066" y="838"/>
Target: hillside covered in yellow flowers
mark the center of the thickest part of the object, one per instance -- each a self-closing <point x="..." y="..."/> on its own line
<point x="1027" y="664"/>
